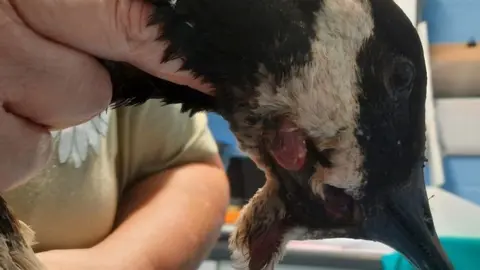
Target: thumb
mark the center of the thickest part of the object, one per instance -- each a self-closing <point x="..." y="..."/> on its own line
<point x="109" y="29"/>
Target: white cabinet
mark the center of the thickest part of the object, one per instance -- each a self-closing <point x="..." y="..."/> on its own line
<point x="410" y="8"/>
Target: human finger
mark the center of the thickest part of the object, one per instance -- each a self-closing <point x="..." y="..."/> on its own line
<point x="25" y="149"/>
<point x="46" y="82"/>
<point x="110" y="29"/>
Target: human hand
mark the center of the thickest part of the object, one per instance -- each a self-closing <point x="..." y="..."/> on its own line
<point x="43" y="85"/>
<point x="48" y="78"/>
<point x="109" y="29"/>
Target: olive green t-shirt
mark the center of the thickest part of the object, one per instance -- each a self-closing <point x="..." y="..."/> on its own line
<point x="73" y="202"/>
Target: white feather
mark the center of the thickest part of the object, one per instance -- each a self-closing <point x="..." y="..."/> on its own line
<point x="75" y="142"/>
<point x="65" y="144"/>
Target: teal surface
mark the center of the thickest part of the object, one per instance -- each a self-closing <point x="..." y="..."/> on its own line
<point x="463" y="252"/>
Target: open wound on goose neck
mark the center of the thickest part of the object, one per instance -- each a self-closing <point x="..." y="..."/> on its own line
<point x="287" y="146"/>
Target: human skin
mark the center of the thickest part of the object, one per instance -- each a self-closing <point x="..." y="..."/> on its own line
<point x="49" y="78"/>
<point x="165" y="223"/>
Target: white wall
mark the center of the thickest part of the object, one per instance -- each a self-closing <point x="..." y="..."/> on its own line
<point x="410" y="8"/>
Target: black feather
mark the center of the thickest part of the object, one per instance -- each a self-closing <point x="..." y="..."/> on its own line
<point x="132" y="86"/>
<point x="226" y="42"/>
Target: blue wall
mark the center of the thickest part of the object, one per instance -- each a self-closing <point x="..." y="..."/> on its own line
<point x="452" y="21"/>
<point x="226" y="142"/>
<point x="463" y="177"/>
<point x="456" y="21"/>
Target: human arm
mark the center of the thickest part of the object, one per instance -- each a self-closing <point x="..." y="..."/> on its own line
<point x="188" y="216"/>
<point x="43" y="85"/>
<point x="180" y="152"/>
<point x="166" y="223"/>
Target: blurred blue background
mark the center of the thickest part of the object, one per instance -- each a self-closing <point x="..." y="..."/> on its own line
<point x="452" y="21"/>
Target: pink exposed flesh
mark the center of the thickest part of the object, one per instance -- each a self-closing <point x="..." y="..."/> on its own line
<point x="288" y="147"/>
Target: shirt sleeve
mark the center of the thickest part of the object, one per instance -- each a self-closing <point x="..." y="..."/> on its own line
<point x="153" y="137"/>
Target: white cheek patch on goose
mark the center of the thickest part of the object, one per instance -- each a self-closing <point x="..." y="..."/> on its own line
<point x="321" y="98"/>
<point x="345" y="173"/>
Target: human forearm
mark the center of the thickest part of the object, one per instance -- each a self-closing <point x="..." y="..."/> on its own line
<point x="76" y="259"/>
<point x="170" y="220"/>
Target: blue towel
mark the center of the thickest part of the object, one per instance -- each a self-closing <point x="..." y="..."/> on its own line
<point x="463" y="252"/>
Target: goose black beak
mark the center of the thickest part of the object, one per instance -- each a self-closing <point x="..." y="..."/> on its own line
<point x="402" y="220"/>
